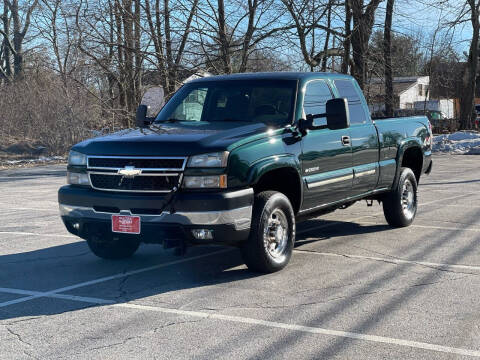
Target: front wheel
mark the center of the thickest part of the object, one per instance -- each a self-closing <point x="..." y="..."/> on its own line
<point x="272" y="235"/>
<point x="400" y="205"/>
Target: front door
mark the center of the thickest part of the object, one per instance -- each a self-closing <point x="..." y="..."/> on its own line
<point x="326" y="154"/>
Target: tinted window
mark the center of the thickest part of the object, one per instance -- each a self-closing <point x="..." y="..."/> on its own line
<point x="190" y="109"/>
<point x="316" y="96"/>
<point x="347" y="89"/>
<point x="267" y="101"/>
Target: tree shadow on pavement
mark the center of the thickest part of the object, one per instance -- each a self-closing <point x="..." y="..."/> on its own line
<point x="59" y="266"/>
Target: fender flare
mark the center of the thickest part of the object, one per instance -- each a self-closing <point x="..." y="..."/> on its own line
<point x="271" y="163"/>
<point x="405" y="145"/>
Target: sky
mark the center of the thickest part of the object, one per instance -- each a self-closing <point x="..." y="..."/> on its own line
<point x="421" y="17"/>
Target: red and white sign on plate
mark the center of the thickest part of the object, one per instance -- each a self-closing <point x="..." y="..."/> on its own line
<point x="126" y="224"/>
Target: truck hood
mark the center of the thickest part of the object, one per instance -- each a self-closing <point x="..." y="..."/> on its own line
<point x="172" y="139"/>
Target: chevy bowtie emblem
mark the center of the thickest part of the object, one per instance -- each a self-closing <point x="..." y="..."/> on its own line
<point x="129" y="171"/>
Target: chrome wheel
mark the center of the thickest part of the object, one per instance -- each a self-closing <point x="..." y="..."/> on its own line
<point x="275" y="234"/>
<point x="408" y="199"/>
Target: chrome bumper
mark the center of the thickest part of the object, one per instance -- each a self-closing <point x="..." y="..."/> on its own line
<point x="240" y="218"/>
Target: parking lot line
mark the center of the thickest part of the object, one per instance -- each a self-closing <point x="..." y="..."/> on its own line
<point x="36" y="234"/>
<point x="55" y="209"/>
<point x="111" y="277"/>
<point x="450" y="228"/>
<point x="392" y="260"/>
<point x="307" y="329"/>
<point x="271" y="324"/>
<point x="58" y="296"/>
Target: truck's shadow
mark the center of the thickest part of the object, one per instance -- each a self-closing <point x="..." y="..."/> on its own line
<point x="64" y="265"/>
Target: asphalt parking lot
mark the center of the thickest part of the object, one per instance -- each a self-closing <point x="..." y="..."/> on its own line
<point x="355" y="288"/>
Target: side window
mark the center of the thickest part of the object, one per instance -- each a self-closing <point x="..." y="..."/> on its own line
<point x="317" y="94"/>
<point x="347" y="89"/>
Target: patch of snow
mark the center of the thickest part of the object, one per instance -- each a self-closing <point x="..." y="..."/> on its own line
<point x="461" y="142"/>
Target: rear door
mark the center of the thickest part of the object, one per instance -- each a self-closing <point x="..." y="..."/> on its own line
<point x="326" y="160"/>
<point x="364" y="138"/>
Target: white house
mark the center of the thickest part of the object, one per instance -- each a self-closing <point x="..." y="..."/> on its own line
<point x="197" y="75"/>
<point x="407" y="91"/>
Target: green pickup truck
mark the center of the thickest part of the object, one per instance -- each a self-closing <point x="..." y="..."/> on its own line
<point x="238" y="160"/>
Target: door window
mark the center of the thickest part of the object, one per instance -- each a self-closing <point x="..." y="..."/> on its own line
<point x="317" y="94"/>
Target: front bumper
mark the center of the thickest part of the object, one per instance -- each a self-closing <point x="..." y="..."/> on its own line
<point x="227" y="214"/>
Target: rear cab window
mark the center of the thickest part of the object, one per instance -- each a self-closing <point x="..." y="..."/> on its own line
<point x="347" y="89"/>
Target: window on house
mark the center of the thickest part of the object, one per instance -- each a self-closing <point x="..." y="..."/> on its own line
<point x="420" y="90"/>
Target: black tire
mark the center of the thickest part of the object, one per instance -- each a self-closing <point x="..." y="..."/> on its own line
<point x="271" y="210"/>
<point x="112" y="248"/>
<point x="400" y="205"/>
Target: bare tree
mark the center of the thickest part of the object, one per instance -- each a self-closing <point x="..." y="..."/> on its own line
<point x="363" y="20"/>
<point x="231" y="32"/>
<point x="169" y="43"/>
<point x="6" y="48"/>
<point x="305" y="27"/>
<point x="18" y="34"/>
<point x="467" y="99"/>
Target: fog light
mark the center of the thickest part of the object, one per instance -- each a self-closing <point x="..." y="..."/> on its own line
<point x="74" y="178"/>
<point x="76" y="226"/>
<point x="199" y="182"/>
<point x="202" y="234"/>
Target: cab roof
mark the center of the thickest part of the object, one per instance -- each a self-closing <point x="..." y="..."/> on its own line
<point x="272" y="76"/>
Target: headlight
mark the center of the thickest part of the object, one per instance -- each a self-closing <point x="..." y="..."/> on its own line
<point x="76" y="158"/>
<point x="74" y="178"/>
<point x="205" y="182"/>
<point x="218" y="159"/>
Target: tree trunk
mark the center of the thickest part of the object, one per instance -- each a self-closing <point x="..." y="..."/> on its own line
<point x="19" y="35"/>
<point x="6" y="48"/>
<point x="171" y="72"/>
<point x="327" y="37"/>
<point x="348" y="37"/>
<point x="362" y="30"/>
<point x="138" y="54"/>
<point x="17" y="41"/>
<point x="128" y="47"/>
<point x="224" y="43"/>
<point x="118" y="22"/>
<point x="252" y="7"/>
<point x="387" y="55"/>
<point x="467" y="100"/>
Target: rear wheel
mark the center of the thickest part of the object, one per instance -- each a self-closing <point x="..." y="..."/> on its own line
<point x="112" y="247"/>
<point x="272" y="235"/>
<point x="400" y="205"/>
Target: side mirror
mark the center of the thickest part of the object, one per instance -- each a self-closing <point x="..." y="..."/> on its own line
<point x="338" y="115"/>
<point x="142" y="120"/>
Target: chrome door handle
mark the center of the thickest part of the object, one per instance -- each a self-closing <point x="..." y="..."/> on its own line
<point x="345" y="140"/>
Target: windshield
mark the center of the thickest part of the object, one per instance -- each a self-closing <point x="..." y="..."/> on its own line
<point x="267" y="101"/>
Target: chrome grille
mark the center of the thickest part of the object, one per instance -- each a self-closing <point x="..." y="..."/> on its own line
<point x="157" y="174"/>
<point x="150" y="163"/>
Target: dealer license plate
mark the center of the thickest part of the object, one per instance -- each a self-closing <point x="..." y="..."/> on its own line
<point x="126" y="224"/>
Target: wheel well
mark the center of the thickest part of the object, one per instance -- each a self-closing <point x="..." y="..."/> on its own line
<point x="286" y="181"/>
<point x="413" y="159"/>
